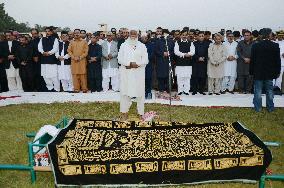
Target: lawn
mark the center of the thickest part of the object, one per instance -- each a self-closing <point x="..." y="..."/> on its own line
<point x="17" y="120"/>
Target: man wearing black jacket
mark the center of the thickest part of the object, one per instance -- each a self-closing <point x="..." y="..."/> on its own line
<point x="24" y="54"/>
<point x="3" y="76"/>
<point x="39" y="83"/>
<point x="265" y="66"/>
<point x="184" y="50"/>
<point x="11" y="63"/>
<point x="94" y="64"/>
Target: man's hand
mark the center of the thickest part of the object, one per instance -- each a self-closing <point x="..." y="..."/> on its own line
<point x="11" y="57"/>
<point x="60" y="58"/>
<point x="93" y="59"/>
<point x="247" y="60"/>
<point x="133" y="65"/>
<point x="45" y="54"/>
<point x="36" y="59"/>
<point x="187" y="55"/>
<point x="283" y="55"/>
<point x="23" y="63"/>
<point x="166" y="54"/>
<point x="201" y="59"/>
<point x="77" y="58"/>
<point x="231" y="58"/>
<point x="109" y="56"/>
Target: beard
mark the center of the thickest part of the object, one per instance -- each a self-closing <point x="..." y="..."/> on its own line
<point x="132" y="41"/>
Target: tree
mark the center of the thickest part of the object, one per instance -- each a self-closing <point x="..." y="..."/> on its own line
<point x="66" y="29"/>
<point x="39" y="27"/>
<point x="7" y="22"/>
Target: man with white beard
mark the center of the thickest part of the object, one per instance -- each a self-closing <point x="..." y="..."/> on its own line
<point x="230" y="66"/>
<point x="133" y="58"/>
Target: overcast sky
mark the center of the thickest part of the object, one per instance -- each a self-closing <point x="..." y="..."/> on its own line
<point x="148" y="14"/>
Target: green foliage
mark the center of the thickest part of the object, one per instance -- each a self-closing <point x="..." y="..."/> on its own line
<point x="7" y="22"/>
<point x="17" y="120"/>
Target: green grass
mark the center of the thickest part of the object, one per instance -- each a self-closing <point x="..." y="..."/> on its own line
<point x="17" y="120"/>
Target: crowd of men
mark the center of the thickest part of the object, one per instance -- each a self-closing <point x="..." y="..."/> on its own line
<point x="77" y="61"/>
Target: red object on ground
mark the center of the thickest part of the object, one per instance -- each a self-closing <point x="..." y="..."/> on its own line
<point x="10" y="97"/>
<point x="268" y="171"/>
<point x="216" y="106"/>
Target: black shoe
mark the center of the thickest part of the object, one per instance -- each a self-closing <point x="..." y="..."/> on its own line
<point x="202" y="93"/>
<point x="180" y="93"/>
<point x="231" y="92"/>
<point x="210" y="93"/>
<point x="194" y="93"/>
<point x="148" y="96"/>
<point x="223" y="92"/>
<point x="217" y="94"/>
<point x="51" y="90"/>
<point x="186" y="93"/>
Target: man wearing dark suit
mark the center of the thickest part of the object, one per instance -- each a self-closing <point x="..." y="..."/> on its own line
<point x="39" y="83"/>
<point x="11" y="63"/>
<point x="162" y="54"/>
<point x="3" y="76"/>
<point x="265" y="66"/>
<point x="24" y="56"/>
<point x="94" y="65"/>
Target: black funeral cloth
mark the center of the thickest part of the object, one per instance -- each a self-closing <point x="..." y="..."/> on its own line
<point x="91" y="152"/>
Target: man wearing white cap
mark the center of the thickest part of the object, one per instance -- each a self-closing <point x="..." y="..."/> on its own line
<point x="133" y="58"/>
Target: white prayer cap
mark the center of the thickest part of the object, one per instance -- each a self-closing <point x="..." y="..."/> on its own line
<point x="134" y="29"/>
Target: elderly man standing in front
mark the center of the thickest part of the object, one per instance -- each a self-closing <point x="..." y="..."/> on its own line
<point x="217" y="55"/>
<point x="109" y="64"/>
<point x="133" y="58"/>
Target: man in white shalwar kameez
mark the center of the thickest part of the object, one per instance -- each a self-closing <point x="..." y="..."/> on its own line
<point x="48" y="46"/>
<point x="64" y="67"/>
<point x="133" y="58"/>
<point x="184" y="50"/>
<point x="230" y="65"/>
